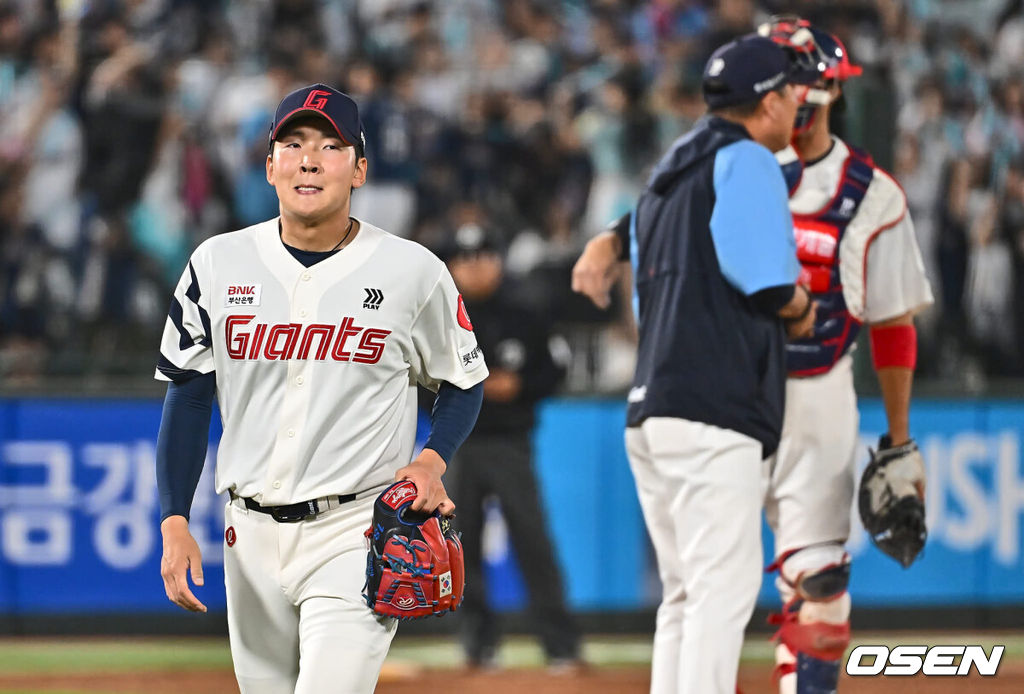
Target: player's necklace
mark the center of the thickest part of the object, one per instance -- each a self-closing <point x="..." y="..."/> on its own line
<point x="347" y="232"/>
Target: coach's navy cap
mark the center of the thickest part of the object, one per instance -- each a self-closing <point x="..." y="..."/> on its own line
<point x="746" y="69"/>
<point x="327" y="102"/>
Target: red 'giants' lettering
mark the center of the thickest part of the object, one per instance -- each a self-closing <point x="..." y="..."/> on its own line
<point x="316" y="341"/>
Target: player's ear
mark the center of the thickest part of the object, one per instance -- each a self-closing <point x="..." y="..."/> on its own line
<point x="270" y="166"/>
<point x="359" y="175"/>
<point x="769" y="105"/>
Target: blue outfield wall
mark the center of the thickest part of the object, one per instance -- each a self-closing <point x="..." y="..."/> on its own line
<point x="78" y="510"/>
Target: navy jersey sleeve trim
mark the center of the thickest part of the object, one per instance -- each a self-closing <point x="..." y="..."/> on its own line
<point x="176" y="314"/>
<point x="177" y="375"/>
<point x="452" y="419"/>
<point x="182" y="441"/>
<point x="193" y="292"/>
<point x="204" y="316"/>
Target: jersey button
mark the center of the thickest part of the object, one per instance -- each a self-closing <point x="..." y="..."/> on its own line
<point x="291" y="433"/>
<point x="303" y="313"/>
<point x="277" y="484"/>
<point x="299" y="380"/>
<point x="306" y="276"/>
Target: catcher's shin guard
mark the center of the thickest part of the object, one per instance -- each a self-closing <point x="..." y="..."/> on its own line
<point x="814" y="626"/>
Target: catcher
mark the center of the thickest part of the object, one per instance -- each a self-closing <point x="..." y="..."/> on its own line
<point x="860" y="259"/>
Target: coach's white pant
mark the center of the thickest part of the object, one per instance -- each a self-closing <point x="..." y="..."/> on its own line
<point x="296" y="619"/>
<point x="700" y="489"/>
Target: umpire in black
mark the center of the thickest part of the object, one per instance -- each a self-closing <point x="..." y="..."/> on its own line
<point x="496" y="460"/>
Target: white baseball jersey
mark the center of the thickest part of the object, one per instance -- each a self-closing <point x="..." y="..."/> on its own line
<point x="316" y="367"/>
<point x="880" y="263"/>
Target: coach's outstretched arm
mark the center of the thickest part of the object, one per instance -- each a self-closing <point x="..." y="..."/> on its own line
<point x="180" y="454"/>
<point x="451" y="420"/>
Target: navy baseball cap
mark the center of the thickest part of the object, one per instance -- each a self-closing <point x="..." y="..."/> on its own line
<point x="746" y="69"/>
<point x="327" y="102"/>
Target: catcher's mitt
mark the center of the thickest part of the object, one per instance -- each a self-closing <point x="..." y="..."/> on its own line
<point x="414" y="567"/>
<point x="891" y="500"/>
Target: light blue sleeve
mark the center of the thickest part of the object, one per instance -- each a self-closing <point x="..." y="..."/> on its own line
<point x="634" y="253"/>
<point x="751" y="225"/>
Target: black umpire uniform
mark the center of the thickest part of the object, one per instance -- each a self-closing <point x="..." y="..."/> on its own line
<point x="496" y="459"/>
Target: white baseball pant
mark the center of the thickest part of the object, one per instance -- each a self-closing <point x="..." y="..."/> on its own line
<point x="810" y="495"/>
<point x="700" y="489"/>
<point x="296" y="619"/>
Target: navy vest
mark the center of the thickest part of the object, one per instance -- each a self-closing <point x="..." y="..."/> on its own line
<point x="818" y="236"/>
<point x="705" y="353"/>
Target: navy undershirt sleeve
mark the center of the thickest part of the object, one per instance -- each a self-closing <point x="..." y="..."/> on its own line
<point x="182" y="441"/>
<point x="454" y="414"/>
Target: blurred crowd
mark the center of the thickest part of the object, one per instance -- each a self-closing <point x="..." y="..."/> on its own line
<point x="131" y="130"/>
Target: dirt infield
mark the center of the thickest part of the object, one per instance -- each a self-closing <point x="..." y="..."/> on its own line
<point x="754" y="679"/>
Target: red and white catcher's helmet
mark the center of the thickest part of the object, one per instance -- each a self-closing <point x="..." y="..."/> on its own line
<point x="809" y="45"/>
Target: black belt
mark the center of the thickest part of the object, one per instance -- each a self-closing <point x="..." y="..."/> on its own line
<point x="304" y="510"/>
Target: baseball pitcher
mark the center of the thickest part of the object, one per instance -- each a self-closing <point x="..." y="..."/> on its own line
<point x="313" y="329"/>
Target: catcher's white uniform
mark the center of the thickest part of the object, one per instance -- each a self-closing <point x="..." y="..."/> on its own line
<point x="316" y="370"/>
<point x="811" y="490"/>
<point x="811" y="485"/>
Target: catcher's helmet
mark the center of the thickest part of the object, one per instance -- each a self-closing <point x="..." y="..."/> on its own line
<point x="807" y="44"/>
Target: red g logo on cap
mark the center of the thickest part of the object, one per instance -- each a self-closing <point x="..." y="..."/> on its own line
<point x="317" y="99"/>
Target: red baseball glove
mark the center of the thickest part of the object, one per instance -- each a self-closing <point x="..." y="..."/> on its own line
<point x="414" y="566"/>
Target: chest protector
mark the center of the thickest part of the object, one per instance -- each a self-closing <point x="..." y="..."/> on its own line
<point x="818" y="236"/>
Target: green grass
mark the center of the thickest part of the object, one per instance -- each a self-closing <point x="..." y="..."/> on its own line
<point x="29" y="656"/>
<point x="523" y="652"/>
<point x="61" y="656"/>
<point x="627" y="651"/>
